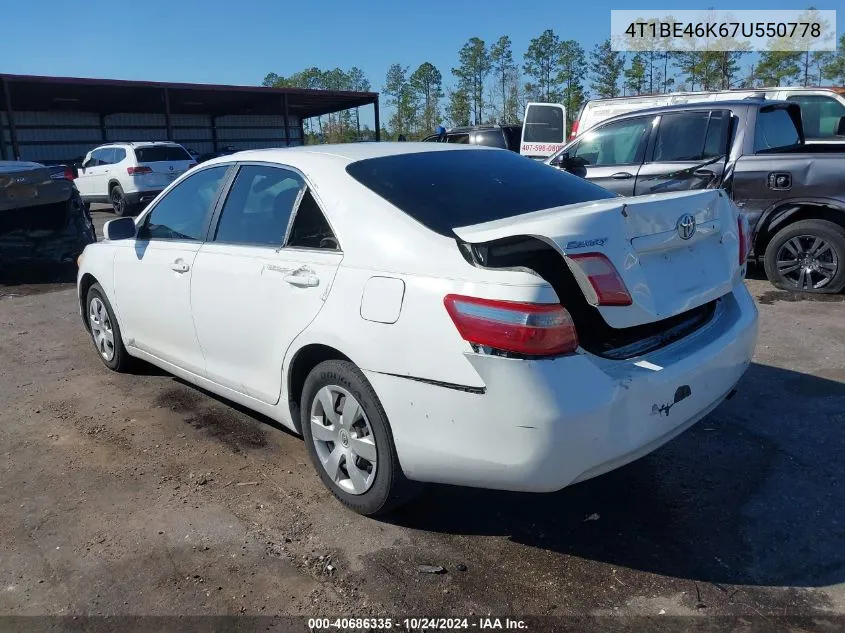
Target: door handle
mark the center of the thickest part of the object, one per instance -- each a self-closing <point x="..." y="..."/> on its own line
<point x="180" y="267"/>
<point x="706" y="173"/>
<point x="302" y="281"/>
<point x="622" y="175"/>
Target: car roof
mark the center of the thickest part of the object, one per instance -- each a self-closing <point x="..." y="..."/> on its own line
<point x="138" y="144"/>
<point x="346" y="152"/>
<point x="698" y="105"/>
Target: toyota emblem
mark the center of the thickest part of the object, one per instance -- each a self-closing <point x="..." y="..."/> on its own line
<point x="686" y="226"/>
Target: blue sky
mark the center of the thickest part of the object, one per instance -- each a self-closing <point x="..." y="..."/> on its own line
<point x="239" y="42"/>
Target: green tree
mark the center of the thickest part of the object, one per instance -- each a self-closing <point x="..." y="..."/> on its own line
<point x="397" y="88"/>
<point x="573" y="68"/>
<point x="474" y="66"/>
<point x="460" y="108"/>
<point x="819" y="60"/>
<point x="501" y="58"/>
<point x="835" y="68"/>
<point x="778" y="67"/>
<point x="542" y="64"/>
<point x="606" y="66"/>
<point x="635" y="74"/>
<point x="358" y="82"/>
<point x="426" y="82"/>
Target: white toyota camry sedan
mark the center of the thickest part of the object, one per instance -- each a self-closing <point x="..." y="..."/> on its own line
<point x="431" y="313"/>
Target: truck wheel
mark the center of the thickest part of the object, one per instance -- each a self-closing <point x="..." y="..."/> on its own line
<point x="808" y="256"/>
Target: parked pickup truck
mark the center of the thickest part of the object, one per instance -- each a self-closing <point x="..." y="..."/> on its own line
<point x="792" y="194"/>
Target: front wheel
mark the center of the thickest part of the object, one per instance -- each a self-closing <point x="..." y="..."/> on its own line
<point x="807" y="256"/>
<point x="349" y="441"/>
<point x="105" y="331"/>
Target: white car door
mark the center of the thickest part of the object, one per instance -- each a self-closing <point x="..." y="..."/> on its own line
<point x="92" y="178"/>
<point x="252" y="291"/>
<point x="153" y="278"/>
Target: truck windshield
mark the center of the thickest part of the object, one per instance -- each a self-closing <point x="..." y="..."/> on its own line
<point x="775" y="130"/>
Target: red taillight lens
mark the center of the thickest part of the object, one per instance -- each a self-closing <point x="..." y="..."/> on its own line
<point x="533" y="329"/>
<point x="574" y="132"/>
<point x="69" y="175"/>
<point x="744" y="234"/>
<point x="605" y="280"/>
<point x="137" y="171"/>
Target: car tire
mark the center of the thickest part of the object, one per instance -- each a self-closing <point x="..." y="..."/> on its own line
<point x="384" y="487"/>
<point x="119" y="204"/>
<point x="818" y="243"/>
<point x="105" y="331"/>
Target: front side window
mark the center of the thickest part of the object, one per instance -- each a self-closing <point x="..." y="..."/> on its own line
<point x="460" y="139"/>
<point x="259" y="206"/>
<point x="619" y="143"/>
<point x="182" y="213"/>
<point x="819" y="114"/>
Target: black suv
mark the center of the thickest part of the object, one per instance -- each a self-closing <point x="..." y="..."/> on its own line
<point x="504" y="136"/>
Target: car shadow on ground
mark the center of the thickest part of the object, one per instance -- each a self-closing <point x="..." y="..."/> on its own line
<point x="753" y="494"/>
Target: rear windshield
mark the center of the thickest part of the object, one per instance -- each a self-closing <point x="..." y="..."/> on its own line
<point x="543" y="124"/>
<point x="162" y="153"/>
<point x="447" y="189"/>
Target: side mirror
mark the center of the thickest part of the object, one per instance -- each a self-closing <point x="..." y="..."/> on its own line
<point x="120" y="229"/>
<point x="840" y="129"/>
<point x="559" y="160"/>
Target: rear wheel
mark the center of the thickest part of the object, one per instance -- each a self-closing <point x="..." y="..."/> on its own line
<point x="808" y="256"/>
<point x="349" y="441"/>
<point x="119" y="203"/>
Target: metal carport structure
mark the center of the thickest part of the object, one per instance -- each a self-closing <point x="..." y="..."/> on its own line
<point x="53" y="119"/>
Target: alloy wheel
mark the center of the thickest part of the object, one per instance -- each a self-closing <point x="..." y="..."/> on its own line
<point x="807" y="262"/>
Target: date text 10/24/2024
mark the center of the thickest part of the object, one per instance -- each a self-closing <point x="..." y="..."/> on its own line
<point x="415" y="624"/>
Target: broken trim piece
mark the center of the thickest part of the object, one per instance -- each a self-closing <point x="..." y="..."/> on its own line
<point x="440" y="383"/>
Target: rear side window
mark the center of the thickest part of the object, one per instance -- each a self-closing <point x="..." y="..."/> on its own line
<point x="119" y="154"/>
<point x="310" y="228"/>
<point x="819" y="114"/>
<point x="461" y="139"/>
<point x="688" y="136"/>
<point x="543" y="125"/>
<point x="490" y="138"/>
<point x="775" y="129"/>
<point x="259" y="206"/>
<point x="161" y="153"/>
<point x="447" y="189"/>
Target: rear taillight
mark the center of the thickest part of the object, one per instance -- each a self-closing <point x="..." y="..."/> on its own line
<point x="69" y="175"/>
<point x="605" y="281"/>
<point x="744" y="234"/>
<point x="574" y="132"/>
<point x="532" y="329"/>
<point x="137" y="171"/>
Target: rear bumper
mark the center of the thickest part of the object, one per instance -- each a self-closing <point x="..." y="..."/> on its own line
<point x="142" y="197"/>
<point x="542" y="425"/>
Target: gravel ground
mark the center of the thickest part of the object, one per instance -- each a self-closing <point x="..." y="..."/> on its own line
<point x="139" y="494"/>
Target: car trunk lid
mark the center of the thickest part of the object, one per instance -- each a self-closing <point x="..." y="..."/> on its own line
<point x="674" y="251"/>
<point x="162" y="164"/>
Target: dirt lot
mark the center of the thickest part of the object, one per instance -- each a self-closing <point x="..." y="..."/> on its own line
<point x="138" y="494"/>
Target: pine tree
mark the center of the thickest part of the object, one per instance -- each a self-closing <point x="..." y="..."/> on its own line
<point x="606" y="66"/>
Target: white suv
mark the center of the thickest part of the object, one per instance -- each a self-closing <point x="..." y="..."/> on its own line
<point x="130" y="175"/>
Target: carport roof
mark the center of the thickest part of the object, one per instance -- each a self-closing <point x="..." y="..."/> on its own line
<point x="106" y="96"/>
